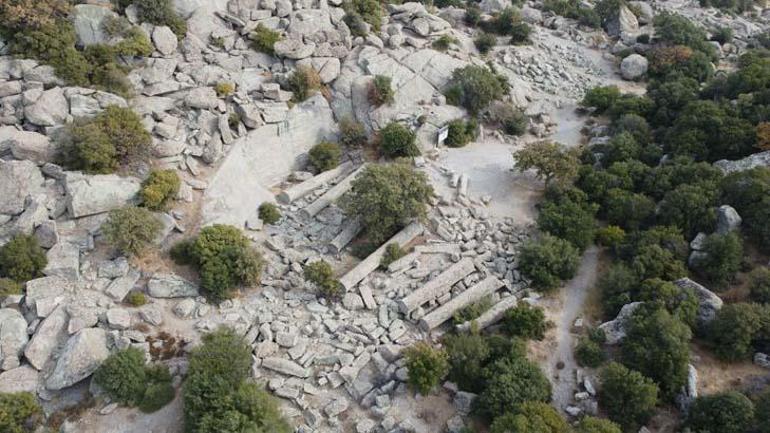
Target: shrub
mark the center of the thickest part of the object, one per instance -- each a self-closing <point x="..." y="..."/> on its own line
<point x="749" y="193"/>
<point x="443" y="43"/>
<point x="123" y="376"/>
<point x="161" y="13"/>
<point x="393" y="252"/>
<point x="689" y="207"/>
<point x="728" y="412"/>
<point x="53" y="44"/>
<point x="136" y="299"/>
<point x="160" y="187"/>
<point x="303" y="82"/>
<point x="461" y="132"/>
<point x="397" y="140"/>
<point x="131" y="229"/>
<point x="722" y="258"/>
<point x="9" y="287"/>
<point x="548" y="261"/>
<point x="628" y="210"/>
<point x="358" y="13"/>
<point x="427" y="366"/>
<point x="551" y="161"/>
<point x="156" y="396"/>
<point x="511" y="382"/>
<point x="513" y="120"/>
<point x="386" y="197"/>
<point x="20" y="14"/>
<point x="601" y="99"/>
<point x="100" y="144"/>
<point x="676" y="29"/>
<point x="759" y="284"/>
<point x="467" y="356"/>
<point x="225" y="259"/>
<point x="19" y="412"/>
<point x="216" y="390"/>
<point x="610" y="236"/>
<point x="263" y="39"/>
<point x="380" y="91"/>
<point x="654" y="335"/>
<point x="520" y="33"/>
<point x="22" y="259"/>
<point x="627" y="396"/>
<point x="269" y="213"/>
<point x="531" y="416"/>
<point x="321" y="274"/>
<point x="325" y="156"/>
<point x="733" y="330"/>
<point x="475" y="87"/>
<point x="589" y="352"/>
<point x="763" y="135"/>
<point x="472" y="311"/>
<point x="484" y="42"/>
<point x="224" y="89"/>
<point x="722" y="35"/>
<point x="472" y="15"/>
<point x="616" y="287"/>
<point x="352" y="133"/>
<point x="526" y="321"/>
<point x="589" y="424"/>
<point x="762" y="412"/>
<point x="503" y="23"/>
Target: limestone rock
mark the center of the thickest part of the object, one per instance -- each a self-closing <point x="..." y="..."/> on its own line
<point x="18" y="179"/>
<point x="760" y="159"/>
<point x="624" y="22"/>
<point x="27" y="145"/>
<point x="50" y="109"/>
<point x="202" y="97"/>
<point x="93" y="194"/>
<point x="170" y="286"/>
<point x="165" y="40"/>
<point x="615" y="330"/>
<point x="13" y="338"/>
<point x="88" y="21"/>
<point x="19" y="379"/>
<point x="728" y="219"/>
<point x="82" y="355"/>
<point x="760" y="359"/>
<point x="633" y="67"/>
<point x="63" y="261"/>
<point x="293" y="49"/>
<point x="708" y="302"/>
<point x="49" y="335"/>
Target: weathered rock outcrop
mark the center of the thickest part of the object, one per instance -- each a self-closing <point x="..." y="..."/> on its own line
<point x="81" y="356"/>
<point x="13" y="338"/>
<point x="94" y="194"/>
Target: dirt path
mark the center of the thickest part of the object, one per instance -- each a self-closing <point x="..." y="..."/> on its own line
<point x="573" y="297"/>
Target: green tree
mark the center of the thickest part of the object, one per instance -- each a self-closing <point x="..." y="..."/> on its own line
<point x="325" y="156"/>
<point x="617" y="287"/>
<point x="568" y="220"/>
<point x="657" y="345"/>
<point x="22" y="259"/>
<point x="551" y="161"/>
<point x="627" y="396"/>
<point x="531" y="417"/>
<point x="468" y="354"/>
<point x="680" y="302"/>
<point x="626" y="209"/>
<point x="526" y="321"/>
<point x="733" y="330"/>
<point x="461" y="132"/>
<point x="722" y="258"/>
<point x="759" y="284"/>
<point x="688" y="207"/>
<point x="131" y="229"/>
<point x="386" y="197"/>
<point x="225" y="259"/>
<point x="160" y="187"/>
<point x="589" y="352"/>
<point x="510" y="382"/>
<point x="19" y="412"/>
<point x="601" y="99"/>
<point x="548" y="261"/>
<point x="591" y="424"/>
<point x="475" y="87"/>
<point x="654" y="261"/>
<point x="728" y="412"/>
<point x="397" y="140"/>
<point x="762" y="412"/>
<point x="427" y="366"/>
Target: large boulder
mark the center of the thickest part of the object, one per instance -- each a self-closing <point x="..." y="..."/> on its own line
<point x="50" y="109"/>
<point x="82" y="355"/>
<point x="13" y="338"/>
<point x="708" y="302"/>
<point x="19" y="379"/>
<point x="615" y="330"/>
<point x="645" y="13"/>
<point x="94" y="194"/>
<point x="633" y="67"/>
<point x="170" y="286"/>
<point x="27" y="145"/>
<point x="761" y="159"/>
<point x="88" y="21"/>
<point x="202" y="97"/>
<point x="63" y="260"/>
<point x="165" y="40"/>
<point x="293" y="49"/>
<point x="18" y="180"/>
<point x="728" y="219"/>
<point x="51" y="332"/>
<point x="623" y="22"/>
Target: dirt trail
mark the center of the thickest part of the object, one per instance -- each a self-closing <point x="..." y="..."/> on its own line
<point x="574" y="295"/>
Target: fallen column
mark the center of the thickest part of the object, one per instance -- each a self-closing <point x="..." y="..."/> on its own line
<point x="437" y="286"/>
<point x="369" y="264"/>
<point x="473" y="294"/>
<point x="491" y="316"/>
<point x="462" y="188"/>
<point x="345" y="236"/>
<point x="302" y="189"/>
<point x="331" y="195"/>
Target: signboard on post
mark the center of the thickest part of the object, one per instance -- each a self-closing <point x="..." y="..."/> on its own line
<point x="443" y="133"/>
